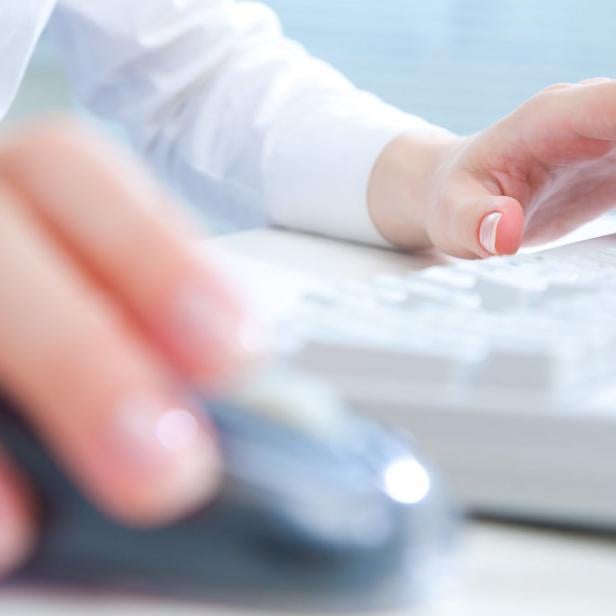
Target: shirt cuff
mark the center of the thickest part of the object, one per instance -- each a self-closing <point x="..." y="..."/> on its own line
<point x="319" y="161"/>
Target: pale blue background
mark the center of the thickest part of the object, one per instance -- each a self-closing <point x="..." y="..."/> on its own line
<point x="462" y="63"/>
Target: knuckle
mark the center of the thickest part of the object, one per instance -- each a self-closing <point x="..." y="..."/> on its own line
<point x="549" y="94"/>
<point x="547" y="97"/>
<point x="557" y="87"/>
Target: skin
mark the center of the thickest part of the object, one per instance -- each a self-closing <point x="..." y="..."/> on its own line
<point x="103" y="304"/>
<point x="548" y="168"/>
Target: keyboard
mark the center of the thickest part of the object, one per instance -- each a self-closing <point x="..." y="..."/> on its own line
<point x="504" y="370"/>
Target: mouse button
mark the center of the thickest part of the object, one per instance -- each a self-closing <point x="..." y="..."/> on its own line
<point x="332" y="505"/>
<point x="319" y="492"/>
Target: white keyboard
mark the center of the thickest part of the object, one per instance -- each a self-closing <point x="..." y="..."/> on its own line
<point x="504" y="370"/>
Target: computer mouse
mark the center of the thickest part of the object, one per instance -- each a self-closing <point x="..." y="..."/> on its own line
<point x="320" y="509"/>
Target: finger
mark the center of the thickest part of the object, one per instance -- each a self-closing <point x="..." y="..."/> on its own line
<point x="591" y="109"/>
<point x="470" y="222"/>
<point x="91" y="387"/>
<point x="501" y="229"/>
<point x="562" y="85"/>
<point x="17" y="527"/>
<point x="105" y="208"/>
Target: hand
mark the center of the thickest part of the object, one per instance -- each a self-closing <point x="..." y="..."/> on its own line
<point x="103" y="305"/>
<point x="532" y="177"/>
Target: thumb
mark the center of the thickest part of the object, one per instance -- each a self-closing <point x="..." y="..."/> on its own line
<point x="479" y="226"/>
<point x="500" y="227"/>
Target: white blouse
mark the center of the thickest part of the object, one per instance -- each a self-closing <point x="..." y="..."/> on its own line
<point x="243" y="120"/>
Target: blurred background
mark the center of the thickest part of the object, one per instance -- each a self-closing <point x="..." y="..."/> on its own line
<point x="459" y="63"/>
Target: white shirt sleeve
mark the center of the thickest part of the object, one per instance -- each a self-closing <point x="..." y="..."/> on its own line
<point x="239" y="117"/>
<point x="21" y="24"/>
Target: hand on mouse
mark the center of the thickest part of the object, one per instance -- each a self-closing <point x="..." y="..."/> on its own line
<point x="532" y="177"/>
<point x="102" y="305"/>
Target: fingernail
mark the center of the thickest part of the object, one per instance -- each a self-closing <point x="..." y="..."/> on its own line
<point x="169" y="451"/>
<point x="213" y="331"/>
<point x="488" y="230"/>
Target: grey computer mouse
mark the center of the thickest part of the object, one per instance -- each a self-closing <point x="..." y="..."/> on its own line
<point x="322" y="510"/>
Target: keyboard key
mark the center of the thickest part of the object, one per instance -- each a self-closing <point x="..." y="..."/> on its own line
<point x="534" y="323"/>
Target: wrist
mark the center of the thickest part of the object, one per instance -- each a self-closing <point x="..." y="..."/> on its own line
<point x="403" y="182"/>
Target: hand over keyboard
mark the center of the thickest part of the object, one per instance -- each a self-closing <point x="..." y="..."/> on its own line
<point x="502" y="369"/>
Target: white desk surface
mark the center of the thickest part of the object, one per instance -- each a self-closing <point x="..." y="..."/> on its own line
<point x="507" y="570"/>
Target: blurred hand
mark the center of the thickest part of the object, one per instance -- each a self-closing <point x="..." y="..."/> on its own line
<point x="532" y="177"/>
<point x="102" y="306"/>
